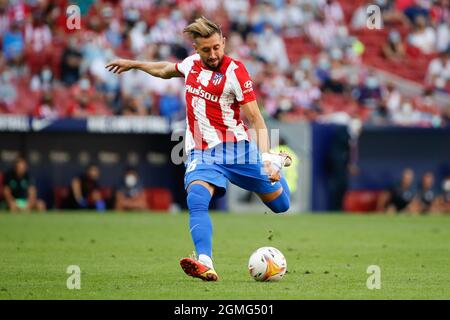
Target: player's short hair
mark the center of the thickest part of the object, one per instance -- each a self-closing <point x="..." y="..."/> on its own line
<point x="202" y="28"/>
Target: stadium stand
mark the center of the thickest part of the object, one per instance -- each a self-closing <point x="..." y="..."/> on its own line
<point x="132" y="29"/>
<point x="310" y="60"/>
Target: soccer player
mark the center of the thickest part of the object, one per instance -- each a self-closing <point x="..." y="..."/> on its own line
<point x="217" y="142"/>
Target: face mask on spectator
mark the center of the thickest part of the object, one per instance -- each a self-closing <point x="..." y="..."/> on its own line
<point x="46" y="75"/>
<point x="305" y="84"/>
<point x="336" y="54"/>
<point x="439" y="83"/>
<point x="130" y="180"/>
<point x="6" y="76"/>
<point x="324" y="64"/>
<point x="342" y="31"/>
<point x="394" y="36"/>
<point x="305" y="64"/>
<point x="268" y="32"/>
<point x="84" y="84"/>
<point x="407" y="107"/>
<point x="176" y="15"/>
<point x="372" y="82"/>
<point x="446" y="185"/>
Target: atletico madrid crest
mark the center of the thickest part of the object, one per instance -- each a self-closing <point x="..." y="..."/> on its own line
<point x="217" y="78"/>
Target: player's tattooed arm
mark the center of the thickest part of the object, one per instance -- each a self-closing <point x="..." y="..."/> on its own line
<point x="161" y="69"/>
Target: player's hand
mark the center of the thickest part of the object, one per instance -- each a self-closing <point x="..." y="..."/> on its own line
<point x="120" y="65"/>
<point x="273" y="172"/>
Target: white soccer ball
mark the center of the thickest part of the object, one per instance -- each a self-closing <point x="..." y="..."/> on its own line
<point x="267" y="264"/>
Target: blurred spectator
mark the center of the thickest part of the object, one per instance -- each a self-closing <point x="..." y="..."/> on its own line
<point x="306" y="94"/>
<point x="400" y="197"/>
<point x="407" y="115"/>
<point x="423" y="37"/>
<point x="359" y="17"/>
<point x="337" y="73"/>
<point x="238" y="11"/>
<point x="38" y="40"/>
<point x="446" y="116"/>
<point x="380" y="116"/>
<point x="438" y="73"/>
<point x="265" y="14"/>
<point x="295" y="18"/>
<point x="83" y="105"/>
<point x="47" y="108"/>
<point x="271" y="47"/>
<point x="131" y="194"/>
<point x="42" y="81"/>
<point x="70" y="63"/>
<point x="170" y="104"/>
<point x="133" y="106"/>
<point x="4" y="18"/>
<point x="443" y="199"/>
<point x="322" y="32"/>
<point x="19" y="189"/>
<point x="391" y="97"/>
<point x="333" y="11"/>
<point x="440" y="19"/>
<point x="13" y="46"/>
<point x="427" y="194"/>
<point x="416" y="9"/>
<point x="8" y="92"/>
<point x="393" y="49"/>
<point x="425" y="102"/>
<point x="85" y="191"/>
<point x="369" y="92"/>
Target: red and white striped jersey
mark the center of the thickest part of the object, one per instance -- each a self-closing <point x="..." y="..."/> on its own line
<point x="213" y="100"/>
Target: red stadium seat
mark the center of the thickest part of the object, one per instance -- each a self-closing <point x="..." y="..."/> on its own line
<point x="60" y="194"/>
<point x="107" y="193"/>
<point x="361" y="201"/>
<point x="158" y="199"/>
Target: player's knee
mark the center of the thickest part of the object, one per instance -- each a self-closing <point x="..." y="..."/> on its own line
<point x="284" y="206"/>
<point x="198" y="198"/>
<point x="280" y="204"/>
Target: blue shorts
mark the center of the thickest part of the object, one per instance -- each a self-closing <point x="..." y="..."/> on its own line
<point x="237" y="162"/>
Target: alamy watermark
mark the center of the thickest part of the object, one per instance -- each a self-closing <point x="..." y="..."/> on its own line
<point x="73" y="15"/>
<point x="74" y="280"/>
<point x="374" y="280"/>
<point x="214" y="150"/>
<point x="374" y="20"/>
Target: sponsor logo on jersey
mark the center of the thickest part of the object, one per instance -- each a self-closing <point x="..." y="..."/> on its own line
<point x="202" y="93"/>
<point x="248" y="84"/>
<point x="217" y="78"/>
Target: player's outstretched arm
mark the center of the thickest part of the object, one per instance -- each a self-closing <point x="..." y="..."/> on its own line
<point x="161" y="69"/>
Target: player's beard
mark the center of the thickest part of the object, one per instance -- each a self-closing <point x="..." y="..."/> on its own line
<point x="213" y="64"/>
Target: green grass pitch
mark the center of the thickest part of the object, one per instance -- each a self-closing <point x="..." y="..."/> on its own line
<point x="135" y="256"/>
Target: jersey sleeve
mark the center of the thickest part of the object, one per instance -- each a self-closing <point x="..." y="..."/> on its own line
<point x="186" y="65"/>
<point x="243" y="85"/>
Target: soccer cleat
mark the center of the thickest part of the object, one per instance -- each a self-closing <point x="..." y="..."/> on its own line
<point x="195" y="269"/>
